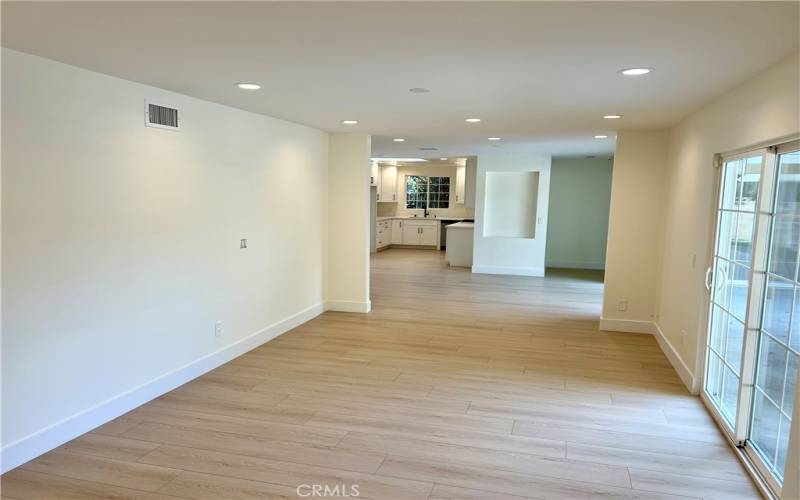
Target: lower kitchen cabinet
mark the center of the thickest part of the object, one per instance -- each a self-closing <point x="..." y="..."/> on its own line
<point x="422" y="233"/>
<point x="383" y="234"/>
<point x="407" y="232"/>
<point x="397" y="232"/>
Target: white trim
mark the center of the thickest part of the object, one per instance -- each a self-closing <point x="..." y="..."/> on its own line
<point x="43" y="440"/>
<point x="675" y="359"/>
<point x="627" y="326"/>
<point x="514" y="271"/>
<point x="650" y="327"/>
<point x="576" y="265"/>
<point x="351" y="306"/>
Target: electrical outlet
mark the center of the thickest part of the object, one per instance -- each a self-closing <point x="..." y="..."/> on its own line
<point x="218" y="329"/>
<point x="622" y="305"/>
<point x="683" y="337"/>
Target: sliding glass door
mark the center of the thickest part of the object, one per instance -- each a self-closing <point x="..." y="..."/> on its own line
<point x="779" y="335"/>
<point x="733" y="261"/>
<point x="753" y="342"/>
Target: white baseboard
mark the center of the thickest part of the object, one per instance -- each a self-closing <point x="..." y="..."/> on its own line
<point x="33" y="445"/>
<point x="514" y="271"/>
<point x="576" y="265"/>
<point x="351" y="306"/>
<point x="650" y="327"/>
<point x="627" y="326"/>
<point x="676" y="361"/>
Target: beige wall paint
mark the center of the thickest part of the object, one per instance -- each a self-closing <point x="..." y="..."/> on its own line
<point x="662" y="219"/>
<point x="121" y="242"/>
<point x="348" y="223"/>
<point x="763" y="108"/>
<point x="635" y="229"/>
<point x="580" y="196"/>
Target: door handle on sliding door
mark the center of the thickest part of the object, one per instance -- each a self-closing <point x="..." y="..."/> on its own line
<point x="709" y="278"/>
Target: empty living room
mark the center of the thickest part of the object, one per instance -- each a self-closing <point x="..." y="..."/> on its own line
<point x="396" y="250"/>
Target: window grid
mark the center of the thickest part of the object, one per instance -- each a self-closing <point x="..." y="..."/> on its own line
<point x="733" y="262"/>
<point x="773" y="390"/>
<point x="427" y="192"/>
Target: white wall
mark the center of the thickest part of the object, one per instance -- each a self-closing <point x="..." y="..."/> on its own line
<point x="502" y="255"/>
<point x="121" y="244"/>
<point x="763" y="108"/>
<point x="348" y="223"/>
<point x="577" y="229"/>
<point x="633" y="254"/>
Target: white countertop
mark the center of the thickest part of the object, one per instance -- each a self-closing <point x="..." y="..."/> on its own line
<point x="462" y="225"/>
<point x="446" y="219"/>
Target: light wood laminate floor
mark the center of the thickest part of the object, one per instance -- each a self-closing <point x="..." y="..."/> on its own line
<point x="456" y="386"/>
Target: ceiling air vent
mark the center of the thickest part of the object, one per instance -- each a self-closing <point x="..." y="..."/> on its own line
<point x="161" y="116"/>
<point x="428" y="149"/>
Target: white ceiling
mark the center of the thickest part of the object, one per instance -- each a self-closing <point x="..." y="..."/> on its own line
<point x="540" y="75"/>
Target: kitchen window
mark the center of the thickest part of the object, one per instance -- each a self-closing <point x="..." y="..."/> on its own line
<point x="427" y="192"/>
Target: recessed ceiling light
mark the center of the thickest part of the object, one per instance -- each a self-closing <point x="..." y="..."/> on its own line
<point x="612" y="117"/>
<point x="635" y="71"/>
<point x="349" y="122"/>
<point x="399" y="139"/>
<point x="248" y="86"/>
<point x="601" y="137"/>
<point x="472" y="120"/>
<point x="443" y="159"/>
<point x="419" y="90"/>
<point x="494" y="138"/>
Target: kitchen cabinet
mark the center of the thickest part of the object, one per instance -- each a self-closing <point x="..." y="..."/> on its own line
<point x="429" y="235"/>
<point x="459" y="244"/>
<point x="461" y="179"/>
<point x="374" y="171"/>
<point x="387" y="188"/>
<point x="383" y="234"/>
<point x="421" y="233"/>
<point x="397" y="232"/>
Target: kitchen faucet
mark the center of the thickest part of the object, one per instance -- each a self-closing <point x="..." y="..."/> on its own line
<point x="425" y="212"/>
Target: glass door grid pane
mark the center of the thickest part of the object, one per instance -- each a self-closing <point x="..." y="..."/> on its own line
<point x="729" y="295"/>
<point x="779" y="345"/>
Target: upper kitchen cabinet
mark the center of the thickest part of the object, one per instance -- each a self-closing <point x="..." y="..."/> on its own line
<point x="374" y="174"/>
<point x="466" y="177"/>
<point x="461" y="177"/>
<point x="470" y="181"/>
<point x="387" y="185"/>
